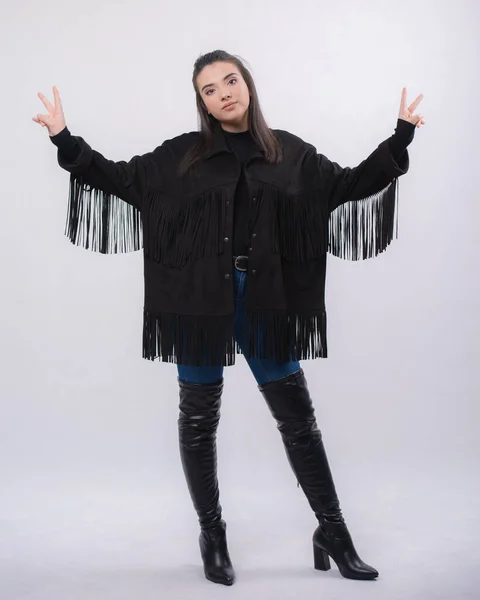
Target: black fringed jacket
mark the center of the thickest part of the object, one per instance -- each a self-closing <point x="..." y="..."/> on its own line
<point x="300" y="209"/>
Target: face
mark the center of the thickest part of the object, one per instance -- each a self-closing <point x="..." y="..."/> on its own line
<point x="220" y="84"/>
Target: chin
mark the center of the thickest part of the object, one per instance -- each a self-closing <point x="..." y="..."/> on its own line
<point x="232" y="117"/>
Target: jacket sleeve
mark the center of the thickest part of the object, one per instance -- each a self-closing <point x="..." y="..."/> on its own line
<point x="105" y="197"/>
<point x="362" y="200"/>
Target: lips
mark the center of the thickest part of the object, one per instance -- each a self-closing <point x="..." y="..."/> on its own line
<point x="227" y="105"/>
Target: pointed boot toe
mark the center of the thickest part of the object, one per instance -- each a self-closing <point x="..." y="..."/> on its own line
<point x="216" y="559"/>
<point x="332" y="539"/>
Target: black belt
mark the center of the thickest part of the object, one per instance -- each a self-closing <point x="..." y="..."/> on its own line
<point x="240" y="262"/>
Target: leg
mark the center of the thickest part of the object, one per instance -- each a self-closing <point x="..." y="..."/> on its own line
<point x="200" y="400"/>
<point x="290" y="403"/>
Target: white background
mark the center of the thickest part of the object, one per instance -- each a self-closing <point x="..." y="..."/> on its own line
<point x="93" y="501"/>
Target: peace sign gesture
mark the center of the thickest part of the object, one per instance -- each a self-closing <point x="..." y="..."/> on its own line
<point x="55" y="120"/>
<point x="407" y="113"/>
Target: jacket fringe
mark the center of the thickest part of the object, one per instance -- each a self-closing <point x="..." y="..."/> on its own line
<point x="300" y="224"/>
<point x="177" y="231"/>
<point x="196" y="340"/>
<point x="285" y="336"/>
<point x="101" y="222"/>
<point x="364" y="228"/>
<point x="210" y="340"/>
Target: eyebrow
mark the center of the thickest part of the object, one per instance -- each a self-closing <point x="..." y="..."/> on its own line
<point x="210" y="84"/>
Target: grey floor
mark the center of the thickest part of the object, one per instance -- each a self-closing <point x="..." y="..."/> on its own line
<point x="93" y="540"/>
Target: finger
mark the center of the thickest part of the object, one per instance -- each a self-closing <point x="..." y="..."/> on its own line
<point x="43" y="118"/>
<point x="38" y="121"/>
<point x="56" y="96"/>
<point x="47" y="103"/>
<point x="403" y="100"/>
<point x="415" y="103"/>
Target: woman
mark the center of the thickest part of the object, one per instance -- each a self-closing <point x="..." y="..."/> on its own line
<point x="235" y="221"/>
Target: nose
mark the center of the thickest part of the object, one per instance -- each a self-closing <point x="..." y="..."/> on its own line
<point x="226" y="95"/>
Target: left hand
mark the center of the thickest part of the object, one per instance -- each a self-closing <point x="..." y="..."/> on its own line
<point x="407" y="112"/>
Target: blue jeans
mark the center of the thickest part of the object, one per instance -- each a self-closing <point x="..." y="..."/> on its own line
<point x="263" y="369"/>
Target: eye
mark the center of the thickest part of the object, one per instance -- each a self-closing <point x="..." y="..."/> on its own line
<point x="233" y="79"/>
<point x="207" y="93"/>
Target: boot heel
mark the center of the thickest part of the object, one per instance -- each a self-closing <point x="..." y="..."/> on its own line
<point x="321" y="559"/>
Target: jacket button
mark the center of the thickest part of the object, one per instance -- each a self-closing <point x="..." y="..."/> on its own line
<point x="250" y="248"/>
<point x="227" y="275"/>
<point x="228" y="202"/>
<point x="255" y="199"/>
<point x="254" y="235"/>
<point x="253" y="271"/>
<point x="225" y="239"/>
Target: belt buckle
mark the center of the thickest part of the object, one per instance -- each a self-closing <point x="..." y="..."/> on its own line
<point x="236" y="265"/>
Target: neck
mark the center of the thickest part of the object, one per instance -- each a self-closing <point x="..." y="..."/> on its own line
<point x="236" y="127"/>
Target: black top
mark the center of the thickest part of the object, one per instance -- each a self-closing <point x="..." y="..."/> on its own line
<point x="243" y="145"/>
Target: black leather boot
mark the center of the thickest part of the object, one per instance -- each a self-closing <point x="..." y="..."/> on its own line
<point x="290" y="404"/>
<point x="197" y="427"/>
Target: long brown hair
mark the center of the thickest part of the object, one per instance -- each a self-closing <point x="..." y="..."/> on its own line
<point x="259" y="129"/>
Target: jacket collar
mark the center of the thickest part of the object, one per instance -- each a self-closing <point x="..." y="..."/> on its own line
<point x="220" y="143"/>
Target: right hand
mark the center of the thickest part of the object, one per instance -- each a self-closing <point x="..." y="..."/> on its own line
<point x="55" y="120"/>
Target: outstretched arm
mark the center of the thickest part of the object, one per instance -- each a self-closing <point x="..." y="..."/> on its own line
<point x="362" y="200"/>
<point x="105" y="196"/>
